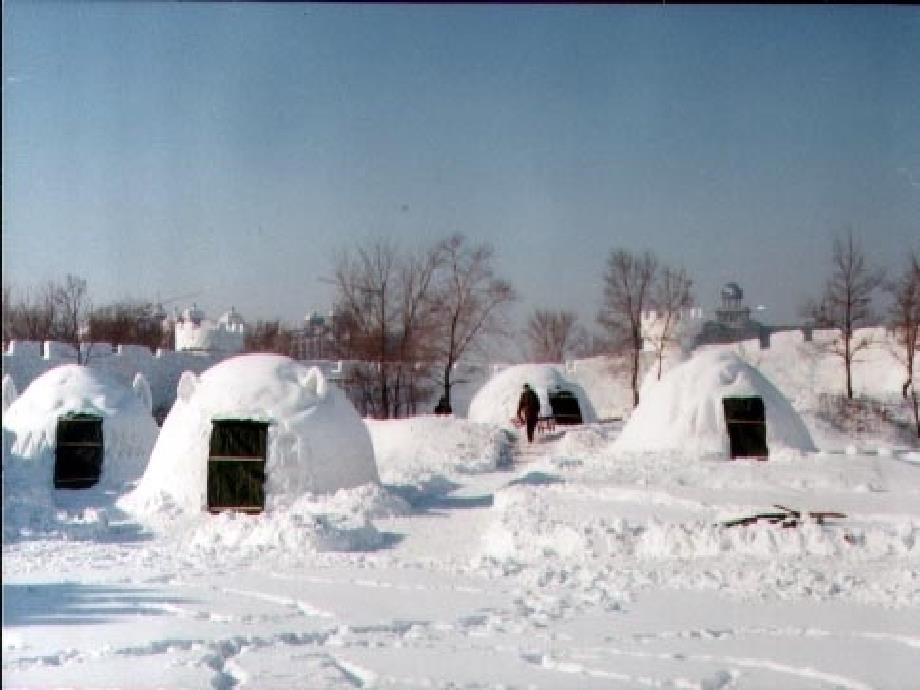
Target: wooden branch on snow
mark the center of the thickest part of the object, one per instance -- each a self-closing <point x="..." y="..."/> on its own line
<point x="789" y="517"/>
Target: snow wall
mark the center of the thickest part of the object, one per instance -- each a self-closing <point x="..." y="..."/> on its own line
<point x="801" y="369"/>
<point x="316" y="440"/>
<point x="24" y="361"/>
<point x="683" y="411"/>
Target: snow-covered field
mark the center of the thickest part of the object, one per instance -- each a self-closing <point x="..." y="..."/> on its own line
<point x="482" y="562"/>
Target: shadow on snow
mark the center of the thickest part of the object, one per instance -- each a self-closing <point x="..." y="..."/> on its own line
<point x="70" y="603"/>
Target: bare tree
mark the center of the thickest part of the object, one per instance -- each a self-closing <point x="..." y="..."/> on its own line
<point x="904" y="320"/>
<point x="417" y="319"/>
<point x="673" y="296"/>
<point x="846" y="303"/>
<point x="471" y="301"/>
<point x="553" y="334"/>
<point x="268" y="336"/>
<point x="72" y="305"/>
<point x="405" y="314"/>
<point x="127" y="322"/>
<point x="628" y="291"/>
<point x="32" y="316"/>
<point x="6" y="312"/>
<point x="366" y="298"/>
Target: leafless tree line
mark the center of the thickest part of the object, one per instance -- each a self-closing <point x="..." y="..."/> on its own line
<point x="635" y="283"/>
<point x="63" y="311"/>
<point x="411" y="316"/>
<point x="555" y="334"/>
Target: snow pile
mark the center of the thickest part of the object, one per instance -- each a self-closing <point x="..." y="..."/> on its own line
<point x="309" y="523"/>
<point x="587" y="442"/>
<point x="561" y="523"/>
<point x="317" y="443"/>
<point x="407" y="448"/>
<point x="683" y="411"/>
<point x="497" y="401"/>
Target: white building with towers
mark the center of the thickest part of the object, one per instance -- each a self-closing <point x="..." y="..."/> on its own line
<point x="195" y="332"/>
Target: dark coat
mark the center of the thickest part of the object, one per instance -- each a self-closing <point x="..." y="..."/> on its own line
<point x="528" y="405"/>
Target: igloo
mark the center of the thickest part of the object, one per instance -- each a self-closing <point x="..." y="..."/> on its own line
<point x="76" y="428"/>
<point x="714" y="404"/>
<point x="251" y="431"/>
<point x="496" y="402"/>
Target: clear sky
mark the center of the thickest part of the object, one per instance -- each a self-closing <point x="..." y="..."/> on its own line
<point x="231" y="150"/>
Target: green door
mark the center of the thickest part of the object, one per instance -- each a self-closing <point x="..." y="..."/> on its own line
<point x="745" y="420"/>
<point x="78" y="452"/>
<point x="236" y="466"/>
<point x="565" y="407"/>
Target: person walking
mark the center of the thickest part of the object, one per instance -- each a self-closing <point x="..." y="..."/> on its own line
<point x="528" y="410"/>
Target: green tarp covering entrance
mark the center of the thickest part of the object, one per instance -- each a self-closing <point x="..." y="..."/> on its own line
<point x="745" y="420"/>
<point x="236" y="466"/>
<point x="565" y="407"/>
<point x="78" y="452"/>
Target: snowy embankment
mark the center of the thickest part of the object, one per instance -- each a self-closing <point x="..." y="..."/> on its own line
<point x="628" y="522"/>
<point x="422" y="452"/>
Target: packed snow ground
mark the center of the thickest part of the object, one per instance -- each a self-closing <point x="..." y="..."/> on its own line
<point x="571" y="568"/>
<point x="482" y="562"/>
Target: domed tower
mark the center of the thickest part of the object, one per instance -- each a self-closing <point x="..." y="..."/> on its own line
<point x="231" y="320"/>
<point x="733" y="314"/>
<point x="193" y="315"/>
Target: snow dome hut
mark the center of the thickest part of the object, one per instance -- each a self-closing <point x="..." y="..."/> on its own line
<point x="561" y="399"/>
<point x="714" y="404"/>
<point x="250" y="430"/>
<point x="75" y="428"/>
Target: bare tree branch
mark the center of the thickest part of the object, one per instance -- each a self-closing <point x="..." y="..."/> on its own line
<point x="673" y="296"/>
<point x="904" y="321"/>
<point x="846" y="303"/>
<point x="551" y="335"/>
<point x="471" y="301"/>
<point x="628" y="291"/>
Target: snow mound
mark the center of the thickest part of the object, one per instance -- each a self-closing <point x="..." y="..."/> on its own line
<point x="683" y="411"/>
<point x="306" y="524"/>
<point x="316" y="443"/>
<point x="129" y="431"/>
<point x="497" y="401"/>
<point x="406" y="448"/>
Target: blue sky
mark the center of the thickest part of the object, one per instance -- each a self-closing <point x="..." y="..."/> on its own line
<point x="232" y="149"/>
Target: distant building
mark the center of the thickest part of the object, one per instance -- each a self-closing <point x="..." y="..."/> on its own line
<point x="316" y="340"/>
<point x="734" y="313"/>
<point x="195" y="332"/>
<point x="683" y="333"/>
<point x="733" y="320"/>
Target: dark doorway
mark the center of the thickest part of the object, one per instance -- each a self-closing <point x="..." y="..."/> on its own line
<point x="236" y="466"/>
<point x="78" y="452"/>
<point x="565" y="407"/>
<point x="745" y="420"/>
